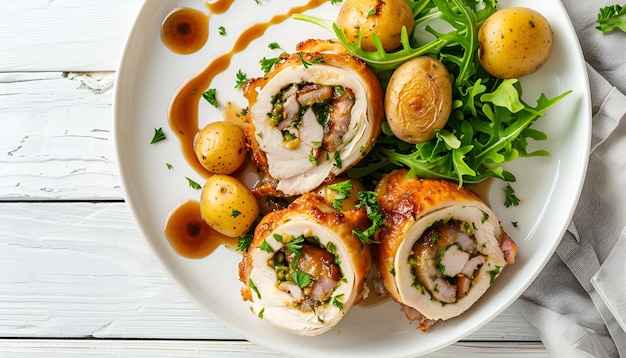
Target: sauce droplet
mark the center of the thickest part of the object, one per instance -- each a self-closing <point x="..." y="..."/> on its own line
<point x="185" y="30"/>
<point x="190" y="236"/>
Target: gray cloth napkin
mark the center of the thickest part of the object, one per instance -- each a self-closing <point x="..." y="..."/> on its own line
<point x="578" y="302"/>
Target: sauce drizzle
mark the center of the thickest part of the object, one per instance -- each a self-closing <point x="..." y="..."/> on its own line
<point x="183" y="111"/>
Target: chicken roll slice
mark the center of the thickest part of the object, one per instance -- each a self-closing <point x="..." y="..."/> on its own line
<point x="305" y="268"/>
<point x="442" y="247"/>
<point x="314" y="115"/>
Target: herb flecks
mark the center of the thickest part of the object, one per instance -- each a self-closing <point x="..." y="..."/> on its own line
<point x="158" y="136"/>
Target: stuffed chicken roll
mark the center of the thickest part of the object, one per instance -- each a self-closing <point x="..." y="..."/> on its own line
<point x="305" y="268"/>
<point x="441" y="249"/>
<point x="314" y="115"/>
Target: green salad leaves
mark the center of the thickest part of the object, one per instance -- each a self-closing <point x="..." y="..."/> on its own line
<point x="490" y="122"/>
<point x="612" y="17"/>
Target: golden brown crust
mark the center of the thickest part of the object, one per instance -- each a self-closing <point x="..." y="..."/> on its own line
<point x="403" y="200"/>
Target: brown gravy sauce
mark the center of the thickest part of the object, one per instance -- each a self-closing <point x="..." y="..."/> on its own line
<point x="187" y="233"/>
<point x="190" y="236"/>
<point x="185" y="30"/>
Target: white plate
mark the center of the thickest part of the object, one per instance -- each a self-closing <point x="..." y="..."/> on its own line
<point x="149" y="75"/>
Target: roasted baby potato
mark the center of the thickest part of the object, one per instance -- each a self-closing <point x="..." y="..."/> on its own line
<point x="383" y="18"/>
<point x="514" y="42"/>
<point x="227" y="205"/>
<point x="221" y="147"/>
<point x="418" y="99"/>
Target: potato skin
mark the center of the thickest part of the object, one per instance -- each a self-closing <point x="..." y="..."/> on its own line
<point x="418" y="99"/>
<point x="514" y="42"/>
<point x="227" y="205"/>
<point x="384" y="18"/>
<point x="221" y="147"/>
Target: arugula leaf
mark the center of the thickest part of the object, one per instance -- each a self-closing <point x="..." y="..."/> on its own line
<point x="612" y="17"/>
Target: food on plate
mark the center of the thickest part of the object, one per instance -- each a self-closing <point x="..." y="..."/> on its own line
<point x="514" y="42"/>
<point x="221" y="147"/>
<point x="305" y="269"/>
<point x="227" y="205"/>
<point x="314" y="115"/>
<point x="369" y="18"/>
<point x="418" y="99"/>
<point x="341" y="193"/>
<point x="441" y="249"/>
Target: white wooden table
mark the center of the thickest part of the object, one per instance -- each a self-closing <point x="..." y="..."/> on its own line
<point x="76" y="277"/>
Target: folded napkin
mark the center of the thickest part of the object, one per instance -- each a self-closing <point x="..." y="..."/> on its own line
<point x="578" y="302"/>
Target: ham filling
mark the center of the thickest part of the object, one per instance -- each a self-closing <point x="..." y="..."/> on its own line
<point x="308" y="273"/>
<point x="445" y="259"/>
<point x="332" y="106"/>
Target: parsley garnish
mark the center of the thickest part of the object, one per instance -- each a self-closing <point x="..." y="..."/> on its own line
<point x="494" y="273"/>
<point x="222" y="30"/>
<point x="210" y="96"/>
<point x="294" y="245"/>
<point x="343" y="190"/>
<point x="235" y="213"/>
<point x="265" y="246"/>
<point x="168" y="165"/>
<point x="514" y="223"/>
<point x="372" y="12"/>
<point x="337" y="303"/>
<point x="242" y="79"/>
<point x="158" y="135"/>
<point x="268" y="63"/>
<point x="612" y="17"/>
<point x="307" y="63"/>
<point x="254" y="288"/>
<point x="338" y="162"/>
<point x="312" y="159"/>
<point x="510" y="198"/>
<point x="301" y="279"/>
<point x="193" y="184"/>
<point x="368" y="199"/>
<point x="262" y="312"/>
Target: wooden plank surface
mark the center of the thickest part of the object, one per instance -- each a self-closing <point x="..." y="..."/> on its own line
<point x="180" y="349"/>
<point x="64" y="35"/>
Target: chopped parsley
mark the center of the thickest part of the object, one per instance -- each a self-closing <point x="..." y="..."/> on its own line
<point x="193" y="184"/>
<point x="242" y="79"/>
<point x="336" y="301"/>
<point x="494" y="273"/>
<point x="265" y="246"/>
<point x="222" y="30"/>
<point x="368" y="199"/>
<point x="372" y="12"/>
<point x="210" y="96"/>
<point x="510" y="198"/>
<point x="169" y="166"/>
<point x="307" y="63"/>
<point x="254" y="288"/>
<point x="337" y="158"/>
<point x="235" y="213"/>
<point x="158" y="135"/>
<point x="262" y="312"/>
<point x="343" y="190"/>
<point x="301" y="279"/>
